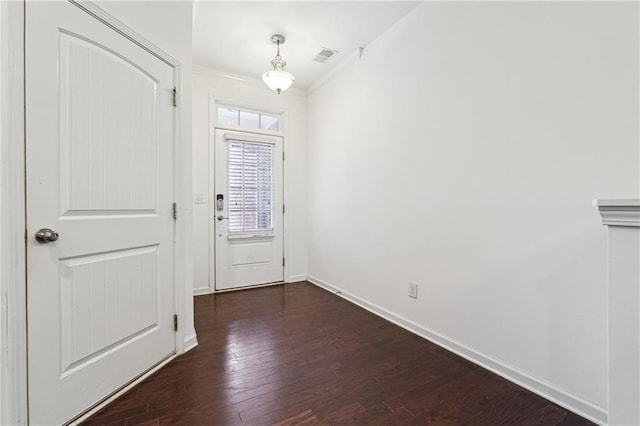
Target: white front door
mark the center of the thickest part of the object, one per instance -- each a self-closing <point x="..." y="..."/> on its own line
<point x="99" y="150"/>
<point x="247" y="209"/>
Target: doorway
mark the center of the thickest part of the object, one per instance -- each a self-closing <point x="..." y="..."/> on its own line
<point x="247" y="210"/>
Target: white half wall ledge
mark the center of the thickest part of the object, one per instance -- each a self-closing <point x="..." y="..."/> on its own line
<point x="622" y="218"/>
<point x="619" y="212"/>
<point x="549" y="391"/>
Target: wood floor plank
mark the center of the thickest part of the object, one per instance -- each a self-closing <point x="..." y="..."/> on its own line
<point x="306" y="417"/>
<point x="296" y="354"/>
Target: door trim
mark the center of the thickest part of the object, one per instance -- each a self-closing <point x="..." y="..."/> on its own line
<point x="13" y="323"/>
<point x="125" y="31"/>
<point x="284" y="133"/>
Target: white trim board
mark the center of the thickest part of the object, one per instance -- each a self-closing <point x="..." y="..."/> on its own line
<point x="201" y="70"/>
<point x="13" y="319"/>
<point x="345" y="63"/>
<point x="128" y="33"/>
<point x="296" y="278"/>
<point x="548" y="391"/>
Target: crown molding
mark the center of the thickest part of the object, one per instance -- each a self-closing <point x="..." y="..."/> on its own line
<point x="202" y="70"/>
<point x="345" y="63"/>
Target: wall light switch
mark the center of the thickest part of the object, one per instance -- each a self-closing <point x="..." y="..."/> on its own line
<point x="413" y="290"/>
<point x="199" y="198"/>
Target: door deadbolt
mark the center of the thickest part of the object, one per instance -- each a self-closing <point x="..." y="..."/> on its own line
<point x="46" y="235"/>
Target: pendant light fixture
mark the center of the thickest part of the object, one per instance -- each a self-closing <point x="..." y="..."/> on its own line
<point x="278" y="79"/>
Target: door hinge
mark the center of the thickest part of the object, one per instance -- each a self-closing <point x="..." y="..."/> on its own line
<point x="175" y="211"/>
<point x="283" y="261"/>
<point x="175" y="97"/>
<point x="283" y="209"/>
<point x="175" y="322"/>
<point x="282" y="155"/>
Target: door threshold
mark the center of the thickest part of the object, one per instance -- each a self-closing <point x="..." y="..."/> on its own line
<point x="118" y="393"/>
<point x="249" y="287"/>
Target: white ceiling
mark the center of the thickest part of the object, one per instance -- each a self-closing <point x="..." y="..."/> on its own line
<point x="235" y="37"/>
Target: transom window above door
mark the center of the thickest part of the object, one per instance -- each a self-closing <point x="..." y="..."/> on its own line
<point x="233" y="116"/>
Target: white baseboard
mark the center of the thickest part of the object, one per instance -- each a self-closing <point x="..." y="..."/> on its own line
<point x="296" y="278"/>
<point x="200" y="291"/>
<point x="190" y="343"/>
<point x="546" y="390"/>
<point x="205" y="290"/>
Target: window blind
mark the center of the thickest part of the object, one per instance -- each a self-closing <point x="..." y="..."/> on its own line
<point x="250" y="186"/>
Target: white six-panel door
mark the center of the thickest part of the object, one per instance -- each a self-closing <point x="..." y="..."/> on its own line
<point x="247" y="209"/>
<point x="99" y="150"/>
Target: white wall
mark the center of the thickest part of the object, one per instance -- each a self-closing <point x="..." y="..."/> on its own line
<point x="462" y="152"/>
<point x="168" y="24"/>
<point x="208" y="83"/>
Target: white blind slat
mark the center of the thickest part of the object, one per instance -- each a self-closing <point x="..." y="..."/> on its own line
<point x="250" y="186"/>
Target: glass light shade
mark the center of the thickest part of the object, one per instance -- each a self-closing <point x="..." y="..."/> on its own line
<point x="278" y="80"/>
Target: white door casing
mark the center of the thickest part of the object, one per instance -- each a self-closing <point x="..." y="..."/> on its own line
<point x="246" y="255"/>
<point x="99" y="155"/>
<point x="13" y="329"/>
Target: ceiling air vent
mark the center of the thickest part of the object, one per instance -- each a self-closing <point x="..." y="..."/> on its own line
<point x="324" y="55"/>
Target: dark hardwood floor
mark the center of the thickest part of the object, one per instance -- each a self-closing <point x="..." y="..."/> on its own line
<point x="295" y="353"/>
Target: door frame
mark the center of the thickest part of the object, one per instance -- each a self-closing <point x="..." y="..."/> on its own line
<point x="213" y="125"/>
<point x="13" y="283"/>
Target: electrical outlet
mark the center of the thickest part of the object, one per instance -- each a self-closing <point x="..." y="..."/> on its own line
<point x="413" y="290"/>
